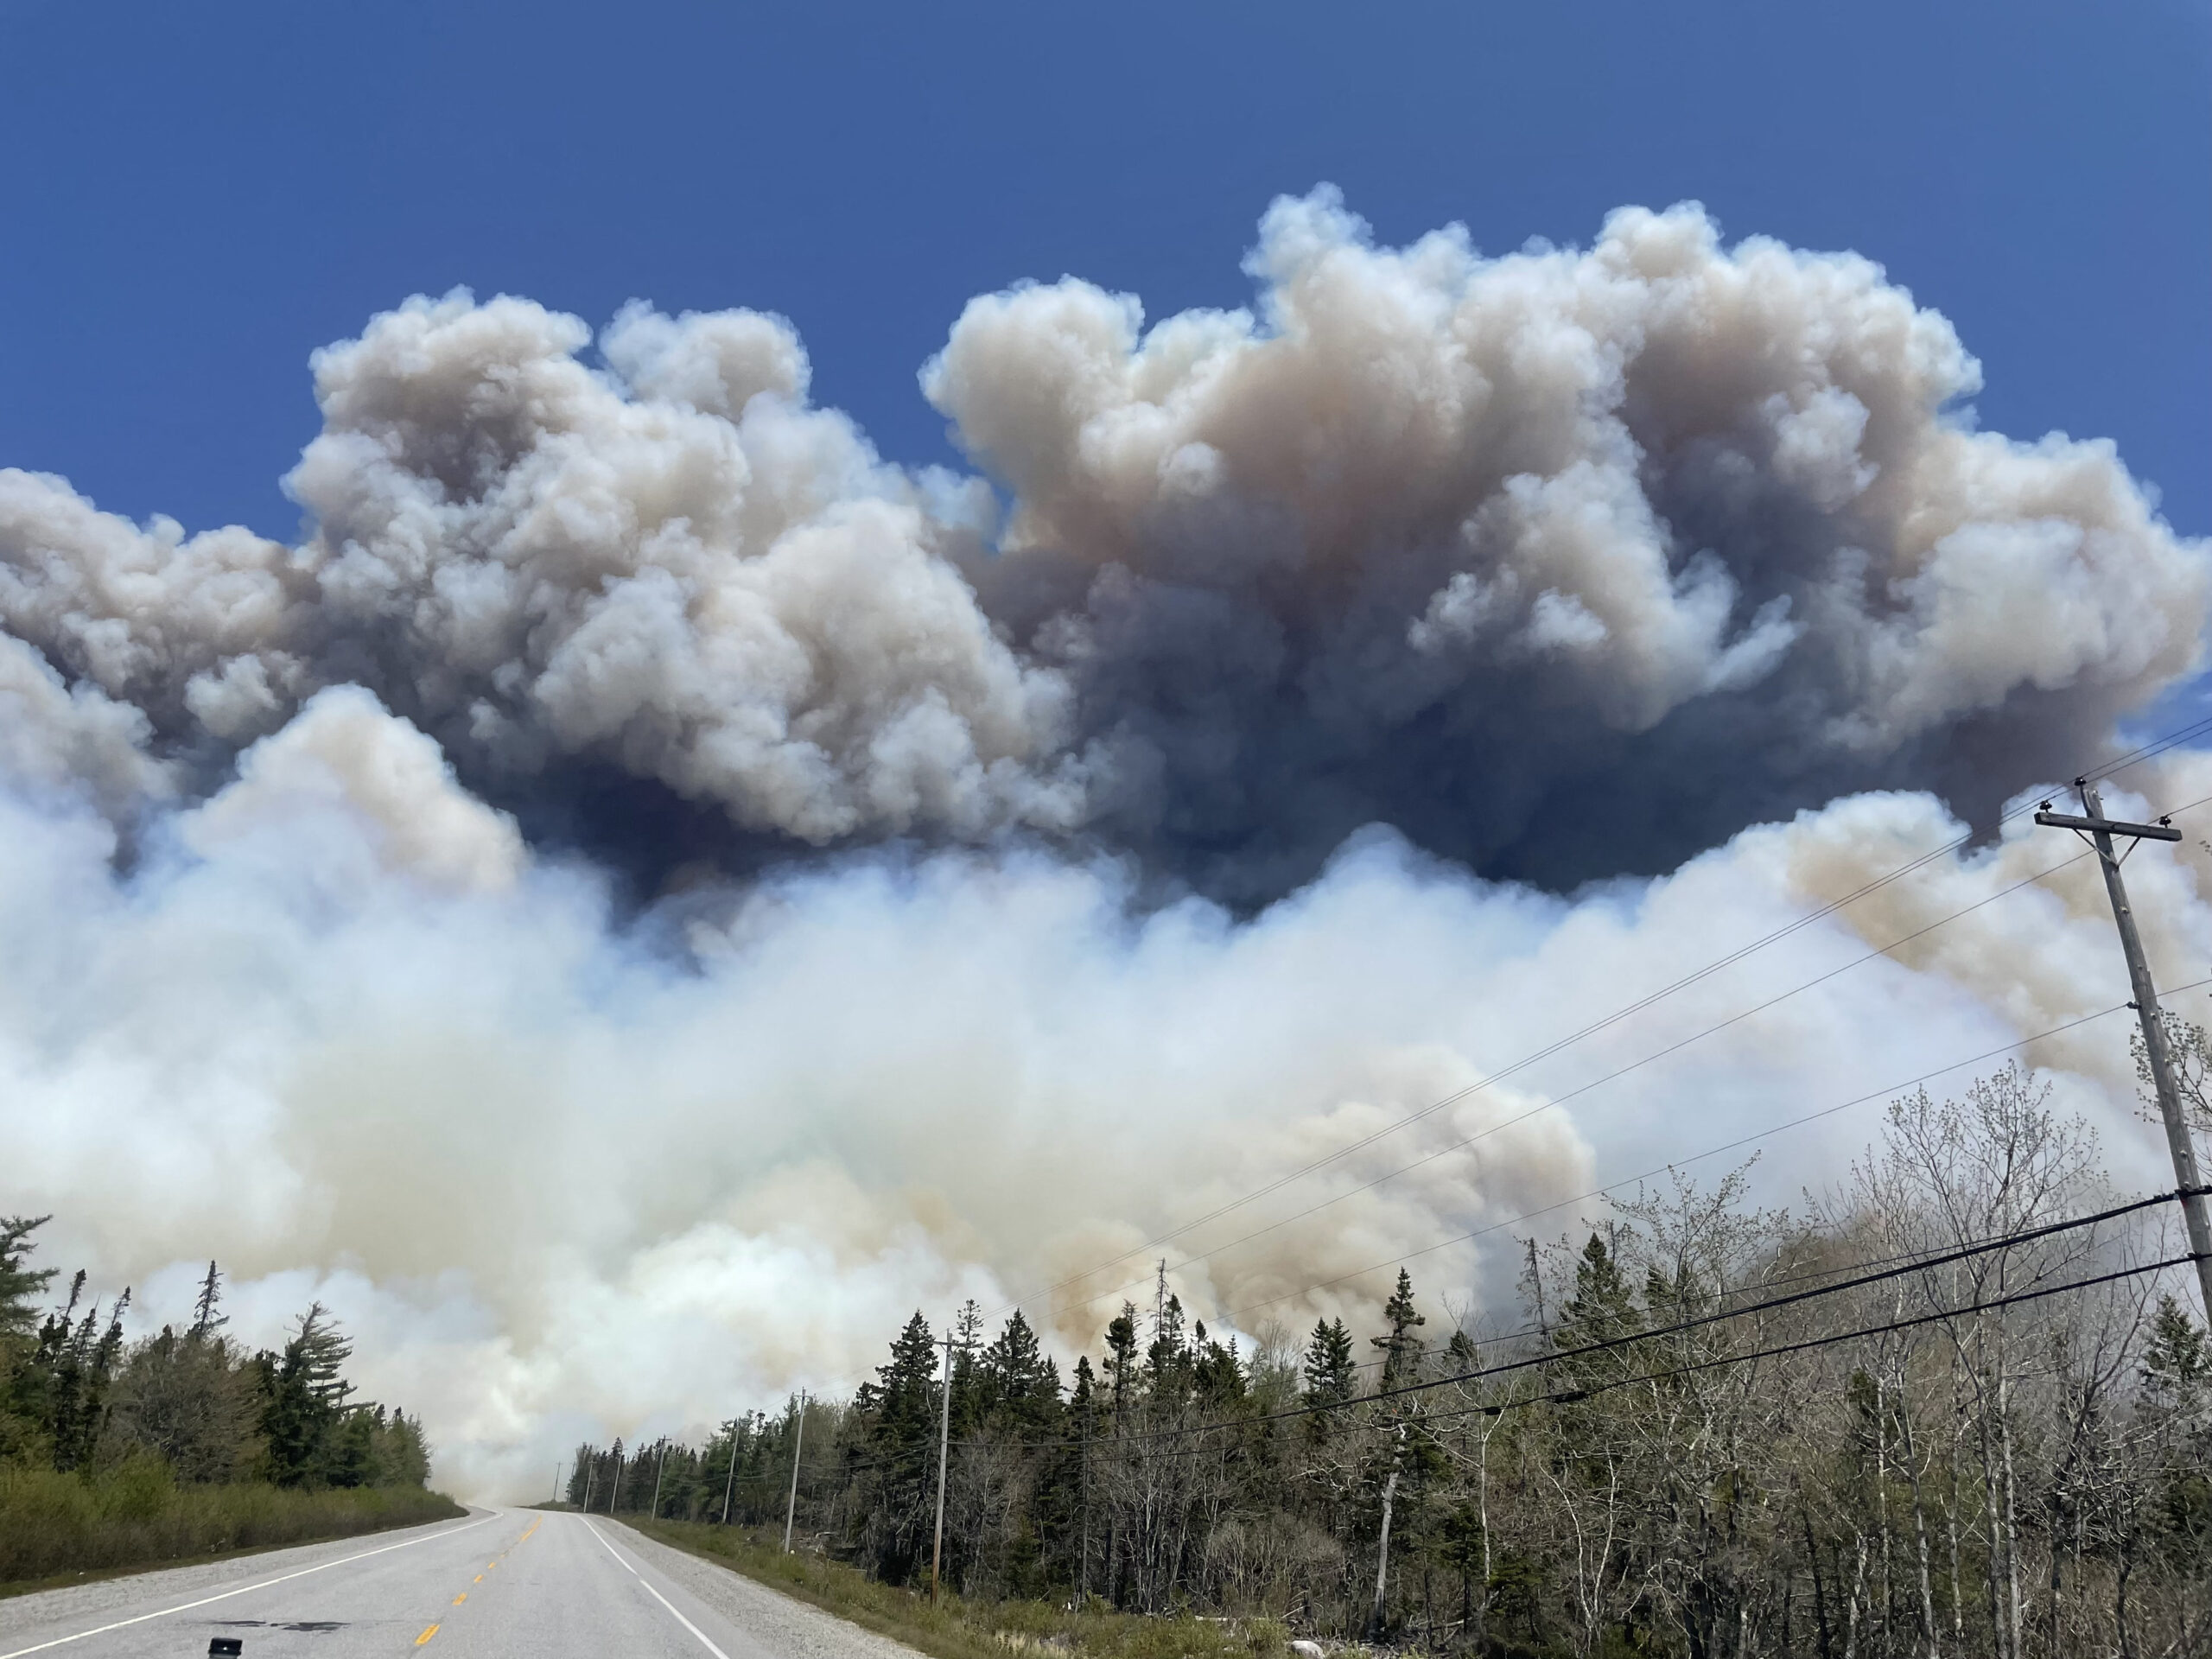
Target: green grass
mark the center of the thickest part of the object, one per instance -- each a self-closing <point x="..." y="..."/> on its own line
<point x="960" y="1628"/>
<point x="59" y="1528"/>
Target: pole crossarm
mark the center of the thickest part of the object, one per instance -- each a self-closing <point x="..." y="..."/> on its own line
<point x="2099" y="830"/>
<point x="2161" y="831"/>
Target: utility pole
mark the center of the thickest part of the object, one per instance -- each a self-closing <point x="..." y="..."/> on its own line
<point x="657" y="1475"/>
<point x="791" y="1503"/>
<point x="1083" y="1567"/>
<point x="2098" y="830"/>
<point x="1382" y="1551"/>
<point x="730" y="1484"/>
<point x="591" y="1475"/>
<point x="557" y="1468"/>
<point x="617" y="1496"/>
<point x="944" y="1445"/>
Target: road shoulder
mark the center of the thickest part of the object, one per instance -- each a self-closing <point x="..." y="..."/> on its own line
<point x="782" y="1623"/>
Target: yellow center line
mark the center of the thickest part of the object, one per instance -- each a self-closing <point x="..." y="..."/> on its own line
<point x="462" y="1596"/>
<point x="478" y="1578"/>
<point x="426" y="1635"/>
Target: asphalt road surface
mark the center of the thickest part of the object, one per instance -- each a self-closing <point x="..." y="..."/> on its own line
<point x="515" y="1584"/>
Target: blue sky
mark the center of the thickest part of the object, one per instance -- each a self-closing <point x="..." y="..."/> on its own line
<point x="199" y="195"/>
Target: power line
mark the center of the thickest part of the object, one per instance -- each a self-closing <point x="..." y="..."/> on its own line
<point x="1740" y="1142"/>
<point x="2157" y="746"/>
<point x="1607" y="1385"/>
<point x="1918" y="1258"/>
<point x="1595" y="1083"/>
<point x="1986" y="1247"/>
<point x="1567" y="1397"/>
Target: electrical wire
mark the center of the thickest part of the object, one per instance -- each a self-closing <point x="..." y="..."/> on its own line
<point x="1964" y="1252"/>
<point x="1561" y="1100"/>
<point x="1737" y="1145"/>
<point x="2158" y="746"/>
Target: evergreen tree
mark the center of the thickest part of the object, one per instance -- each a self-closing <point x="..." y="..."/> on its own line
<point x="71" y="1373"/>
<point x="2177" y="1360"/>
<point x="1217" y="1372"/>
<point x="1460" y="1354"/>
<point x="207" y="1317"/>
<point x="898" y="1477"/>
<point x="21" y="1285"/>
<point x="906" y="1397"/>
<point x="304" y="1391"/>
<point x="1330" y="1373"/>
<point x="1121" y="1363"/>
<point x="188" y="1398"/>
<point x="1331" y="1376"/>
<point x="21" y="1414"/>
<point x="1401" y="1350"/>
<point x="1020" y="1383"/>
<point x="970" y="1400"/>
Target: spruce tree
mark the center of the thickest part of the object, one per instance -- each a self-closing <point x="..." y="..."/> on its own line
<point x="1329" y="1368"/>
<point x="206" y="1315"/>
<point x="303" y="1406"/>
<point x="1121" y="1360"/>
<point x="1019" y="1385"/>
<point x="1330" y="1375"/>
<point x="1401" y="1350"/>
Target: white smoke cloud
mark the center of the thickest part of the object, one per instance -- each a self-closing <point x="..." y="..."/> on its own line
<point x="1658" y="556"/>
<point x="557" y="1183"/>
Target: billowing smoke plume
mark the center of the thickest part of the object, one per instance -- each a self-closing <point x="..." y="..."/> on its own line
<point x="1566" y="563"/>
<point x="1020" y="885"/>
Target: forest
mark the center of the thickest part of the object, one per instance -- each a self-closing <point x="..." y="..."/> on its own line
<point x="115" y="1453"/>
<point x="1955" y="1404"/>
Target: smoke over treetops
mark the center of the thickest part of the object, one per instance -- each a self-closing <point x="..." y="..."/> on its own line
<point x="1565" y="566"/>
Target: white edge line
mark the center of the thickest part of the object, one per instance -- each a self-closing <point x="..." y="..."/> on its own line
<point x="641" y="1579"/>
<point x="187" y="1606"/>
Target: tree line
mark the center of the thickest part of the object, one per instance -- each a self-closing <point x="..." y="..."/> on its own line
<point x="77" y="1397"/>
<point x="1923" y="1414"/>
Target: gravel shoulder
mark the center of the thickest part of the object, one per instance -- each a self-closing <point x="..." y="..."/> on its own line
<point x="781" y="1623"/>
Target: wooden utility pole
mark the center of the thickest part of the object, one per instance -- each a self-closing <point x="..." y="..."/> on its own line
<point x="1082" y="1560"/>
<point x="659" y="1474"/>
<point x="944" y="1445"/>
<point x="617" y="1497"/>
<point x="730" y="1484"/>
<point x="591" y="1475"/>
<point x="2099" y="830"/>
<point x="798" y="1445"/>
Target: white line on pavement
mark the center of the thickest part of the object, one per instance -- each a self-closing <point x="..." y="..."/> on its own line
<point x="187" y="1606"/>
<point x="641" y="1579"/>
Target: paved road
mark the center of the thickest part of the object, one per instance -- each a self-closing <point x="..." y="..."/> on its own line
<point x="501" y="1584"/>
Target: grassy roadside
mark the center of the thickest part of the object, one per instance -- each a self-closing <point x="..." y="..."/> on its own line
<point x="960" y="1628"/>
<point x="62" y="1529"/>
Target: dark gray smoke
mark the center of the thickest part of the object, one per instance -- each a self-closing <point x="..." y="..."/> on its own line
<point x="1567" y="564"/>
